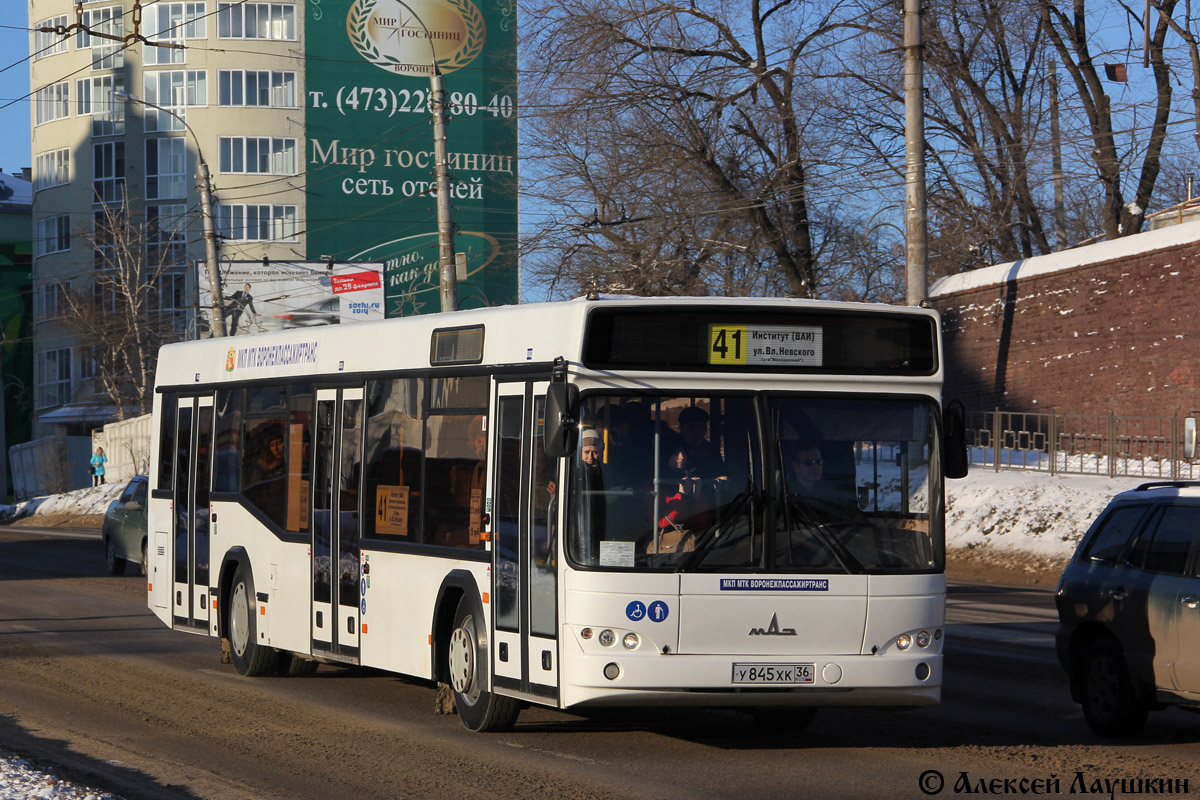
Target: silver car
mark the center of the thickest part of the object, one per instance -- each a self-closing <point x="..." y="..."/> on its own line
<point x="124" y="528"/>
<point x="1129" y="608"/>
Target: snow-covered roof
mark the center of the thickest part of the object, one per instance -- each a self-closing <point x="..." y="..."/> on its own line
<point x="1187" y="233"/>
<point x="15" y="192"/>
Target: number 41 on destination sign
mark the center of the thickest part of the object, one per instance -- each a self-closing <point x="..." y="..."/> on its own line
<point x="726" y="344"/>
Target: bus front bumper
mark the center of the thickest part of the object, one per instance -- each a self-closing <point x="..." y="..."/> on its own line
<point x="654" y="679"/>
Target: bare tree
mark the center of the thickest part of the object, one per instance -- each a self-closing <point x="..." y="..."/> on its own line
<point x="678" y="145"/>
<point x="125" y="309"/>
<point x="1067" y="27"/>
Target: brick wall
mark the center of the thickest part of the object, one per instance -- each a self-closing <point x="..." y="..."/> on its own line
<point x="1108" y="327"/>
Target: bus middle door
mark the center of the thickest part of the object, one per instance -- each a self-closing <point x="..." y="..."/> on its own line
<point x="524" y="566"/>
<point x="334" y="552"/>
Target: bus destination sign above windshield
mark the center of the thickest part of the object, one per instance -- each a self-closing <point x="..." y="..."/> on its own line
<point x="746" y="345"/>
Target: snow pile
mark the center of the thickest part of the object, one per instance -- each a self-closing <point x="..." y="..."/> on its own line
<point x="1018" y="512"/>
<point x="79" y="502"/>
<point x="20" y="781"/>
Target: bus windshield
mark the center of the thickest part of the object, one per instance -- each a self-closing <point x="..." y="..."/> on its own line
<point x="678" y="483"/>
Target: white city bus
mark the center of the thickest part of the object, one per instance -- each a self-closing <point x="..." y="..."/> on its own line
<point x="612" y="501"/>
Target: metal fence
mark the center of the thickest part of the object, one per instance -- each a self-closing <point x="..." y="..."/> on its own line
<point x="1082" y="444"/>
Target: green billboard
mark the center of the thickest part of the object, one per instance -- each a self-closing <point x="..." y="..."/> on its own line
<point x="370" y="173"/>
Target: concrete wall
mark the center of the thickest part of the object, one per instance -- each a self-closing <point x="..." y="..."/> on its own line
<point x="1112" y="326"/>
<point x="127" y="445"/>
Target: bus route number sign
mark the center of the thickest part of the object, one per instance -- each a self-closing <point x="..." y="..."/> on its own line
<point x="752" y="345"/>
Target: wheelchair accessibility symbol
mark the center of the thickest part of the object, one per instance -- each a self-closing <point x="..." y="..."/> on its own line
<point x="657" y="612"/>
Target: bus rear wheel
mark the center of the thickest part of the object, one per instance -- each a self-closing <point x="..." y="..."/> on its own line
<point x="249" y="658"/>
<point x="467" y="660"/>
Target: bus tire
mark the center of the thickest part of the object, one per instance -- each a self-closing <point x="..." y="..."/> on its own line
<point x="296" y="666"/>
<point x="467" y="665"/>
<point x="249" y="658"/>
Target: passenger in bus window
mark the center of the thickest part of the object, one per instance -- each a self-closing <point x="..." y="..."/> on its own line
<point x="268" y="462"/>
<point x="703" y="455"/>
<point x="591" y="481"/>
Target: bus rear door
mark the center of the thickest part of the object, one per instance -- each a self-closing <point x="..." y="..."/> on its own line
<point x="190" y="506"/>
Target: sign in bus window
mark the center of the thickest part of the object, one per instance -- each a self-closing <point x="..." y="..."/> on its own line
<point x="391" y="510"/>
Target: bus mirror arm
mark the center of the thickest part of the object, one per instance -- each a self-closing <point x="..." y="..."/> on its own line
<point x="562" y="427"/>
<point x="954" y="450"/>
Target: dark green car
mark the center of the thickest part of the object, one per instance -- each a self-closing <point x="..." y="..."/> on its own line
<point x="124" y="528"/>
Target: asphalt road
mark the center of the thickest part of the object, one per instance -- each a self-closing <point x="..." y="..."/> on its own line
<point x="90" y="680"/>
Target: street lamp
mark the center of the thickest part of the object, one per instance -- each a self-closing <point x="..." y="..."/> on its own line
<point x="437" y="107"/>
<point x="206" y="212"/>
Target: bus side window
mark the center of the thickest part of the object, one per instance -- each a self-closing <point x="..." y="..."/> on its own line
<point x="227" y="440"/>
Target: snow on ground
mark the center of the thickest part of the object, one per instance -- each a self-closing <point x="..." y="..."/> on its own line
<point x="1026" y="513"/>
<point x="1010" y="515"/>
<point x="19" y="780"/>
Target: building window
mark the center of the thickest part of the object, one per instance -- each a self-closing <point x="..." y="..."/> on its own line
<point x="52" y="377"/>
<point x="258" y="223"/>
<point x="106" y="53"/>
<point x="53" y="102"/>
<point x="166" y="168"/>
<point x="87" y="363"/>
<point x="260" y="155"/>
<point x="166" y="235"/>
<point x="94" y="96"/>
<point x="53" y="235"/>
<point x="49" y="43"/>
<point x="268" y="88"/>
<point x="256" y="21"/>
<point x="172" y="23"/>
<point x="174" y="91"/>
<point x="108" y="172"/>
<point x="49" y="301"/>
<point x="52" y="169"/>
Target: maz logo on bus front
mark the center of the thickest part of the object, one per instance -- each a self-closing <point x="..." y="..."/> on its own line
<point x="773" y="629"/>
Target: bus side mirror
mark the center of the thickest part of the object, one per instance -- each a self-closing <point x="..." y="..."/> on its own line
<point x="954" y="455"/>
<point x="562" y="429"/>
<point x="1189" y="437"/>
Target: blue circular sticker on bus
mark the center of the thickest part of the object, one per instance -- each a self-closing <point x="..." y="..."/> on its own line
<point x="364" y="605"/>
<point x="659" y="611"/>
<point x="636" y="610"/>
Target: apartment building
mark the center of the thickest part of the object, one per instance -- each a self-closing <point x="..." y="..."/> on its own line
<point x="313" y="120"/>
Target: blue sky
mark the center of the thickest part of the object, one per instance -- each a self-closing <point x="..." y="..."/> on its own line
<point x="14" y="83"/>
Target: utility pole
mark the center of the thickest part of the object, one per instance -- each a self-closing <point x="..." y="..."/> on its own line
<point x="206" y="211"/>
<point x="1060" y="217"/>
<point x="437" y="106"/>
<point x="210" y="249"/>
<point x="915" y="218"/>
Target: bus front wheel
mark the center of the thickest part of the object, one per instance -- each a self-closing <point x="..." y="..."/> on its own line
<point x="249" y="657"/>
<point x="467" y="660"/>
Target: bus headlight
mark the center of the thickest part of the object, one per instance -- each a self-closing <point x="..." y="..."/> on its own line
<point x="586" y="633"/>
<point x="923" y="639"/>
<point x="630" y="641"/>
<point x="903" y="641"/>
<point x="607" y="638"/>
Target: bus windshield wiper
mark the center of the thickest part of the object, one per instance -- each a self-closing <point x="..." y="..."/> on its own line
<point x="706" y="538"/>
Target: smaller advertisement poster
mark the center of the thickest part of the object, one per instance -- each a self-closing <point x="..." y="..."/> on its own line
<point x="264" y="296"/>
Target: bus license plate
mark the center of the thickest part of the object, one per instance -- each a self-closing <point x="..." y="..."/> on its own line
<point x="773" y="674"/>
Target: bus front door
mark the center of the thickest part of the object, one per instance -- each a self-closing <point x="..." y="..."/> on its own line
<point x="190" y="504"/>
<point x="335" y="550"/>
<point x="524" y="568"/>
